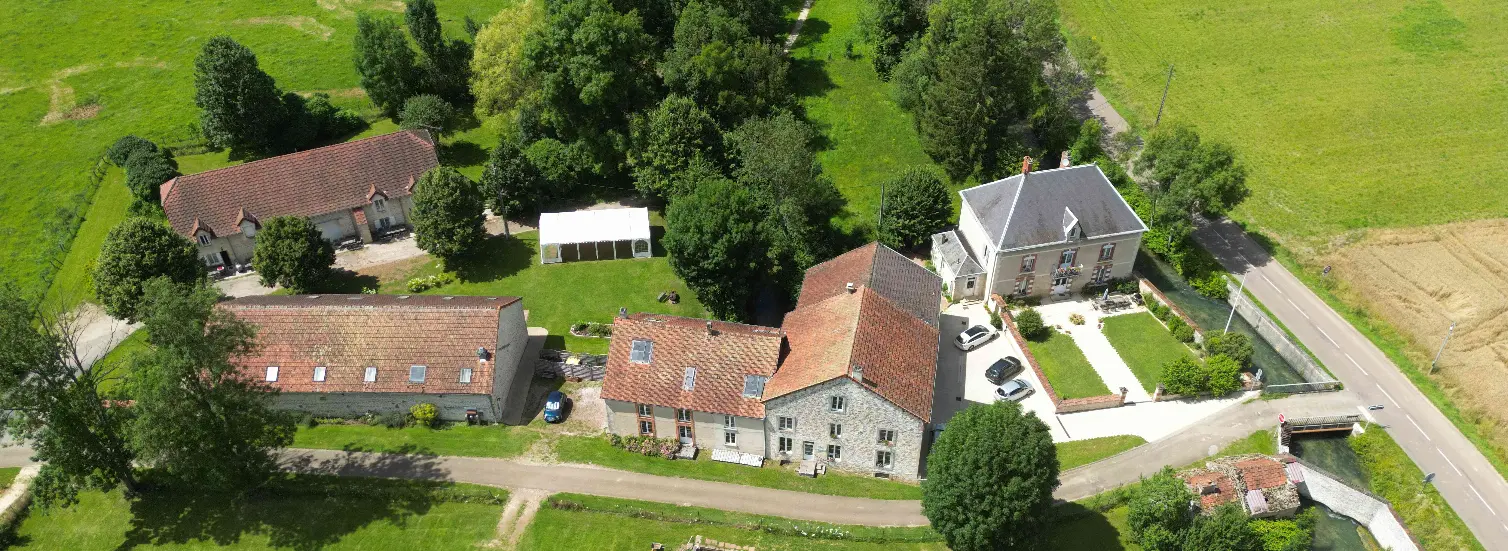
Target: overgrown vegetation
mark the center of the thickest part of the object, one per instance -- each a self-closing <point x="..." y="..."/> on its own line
<point x="1394" y="477"/>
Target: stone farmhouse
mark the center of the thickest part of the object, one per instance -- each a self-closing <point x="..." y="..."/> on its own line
<point x="847" y="380"/>
<point x="1038" y="233"/>
<point x="349" y="355"/>
<point x="347" y="190"/>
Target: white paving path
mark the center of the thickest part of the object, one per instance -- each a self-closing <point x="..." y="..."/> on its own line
<point x="1097" y="349"/>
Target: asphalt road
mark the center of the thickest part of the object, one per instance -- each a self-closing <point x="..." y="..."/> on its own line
<point x="1462" y="474"/>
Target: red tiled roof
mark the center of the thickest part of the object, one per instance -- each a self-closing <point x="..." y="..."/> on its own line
<point x="722" y="360"/>
<point x="896" y="351"/>
<point x="1262" y="473"/>
<point x="348" y="333"/>
<point x="1225" y="489"/>
<point x="910" y="286"/>
<point x="307" y="183"/>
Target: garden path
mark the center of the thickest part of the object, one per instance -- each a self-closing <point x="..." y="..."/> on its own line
<point x="1097" y="349"/>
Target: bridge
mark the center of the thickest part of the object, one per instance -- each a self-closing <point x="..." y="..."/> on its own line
<point x="1287" y="427"/>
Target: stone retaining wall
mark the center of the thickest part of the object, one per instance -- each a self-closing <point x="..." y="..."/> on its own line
<point x="1374" y="513"/>
<point x="1275" y="336"/>
<point x="1148" y="287"/>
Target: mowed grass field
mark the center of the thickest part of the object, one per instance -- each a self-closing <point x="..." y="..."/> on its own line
<point x="1348" y="114"/>
<point x="75" y="76"/>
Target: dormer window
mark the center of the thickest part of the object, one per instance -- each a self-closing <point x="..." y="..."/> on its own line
<point x="379" y="205"/>
<point x="248" y="228"/>
<point x="1071" y="228"/>
<point x="203" y="239"/>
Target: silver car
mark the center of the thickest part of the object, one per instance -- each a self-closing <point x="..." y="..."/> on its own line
<point x="1014" y="390"/>
<point x="974" y="336"/>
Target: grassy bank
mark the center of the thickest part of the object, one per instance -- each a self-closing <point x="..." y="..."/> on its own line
<point x="1083" y="452"/>
<point x="1066" y="367"/>
<point x="1395" y="478"/>
<point x="596" y="451"/>
<point x="476" y="441"/>
<point x="1144" y="344"/>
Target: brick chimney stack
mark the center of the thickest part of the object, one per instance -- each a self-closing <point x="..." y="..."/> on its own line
<point x="1066" y="160"/>
<point x="1026" y="165"/>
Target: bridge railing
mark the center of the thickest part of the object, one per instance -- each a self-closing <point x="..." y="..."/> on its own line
<point x="1302" y="388"/>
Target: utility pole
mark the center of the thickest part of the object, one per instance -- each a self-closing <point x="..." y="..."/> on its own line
<point x="1432" y="363"/>
<point x="1235" y="302"/>
<point x="1164" y="96"/>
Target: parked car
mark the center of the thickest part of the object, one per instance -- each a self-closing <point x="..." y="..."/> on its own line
<point x="555" y="407"/>
<point x="1002" y="369"/>
<point x="974" y="336"/>
<point x="1015" y="390"/>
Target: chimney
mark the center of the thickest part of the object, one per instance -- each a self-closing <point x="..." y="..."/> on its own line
<point x="1026" y="165"/>
<point x="858" y="373"/>
<point x="1066" y="159"/>
<point x="709" y="328"/>
<point x="623" y="312"/>
<point x="850" y="287"/>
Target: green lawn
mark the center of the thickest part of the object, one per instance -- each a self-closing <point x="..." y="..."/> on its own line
<point x="1144" y="344"/>
<point x="568" y="522"/>
<point x="299" y="513"/>
<point x="558" y="295"/>
<point x="8" y="475"/>
<point x="478" y="441"/>
<point x="131" y="72"/>
<point x="1066" y="367"/>
<point x="1087" y="529"/>
<point x="1348" y="114"/>
<point x="1083" y="452"/>
<point x="73" y="283"/>
<point x="1262" y="441"/>
<point x="1393" y="476"/>
<point x="596" y="451"/>
<point x="868" y="137"/>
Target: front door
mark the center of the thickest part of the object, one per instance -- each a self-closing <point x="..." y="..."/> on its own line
<point x="806" y="450"/>
<point x="225" y="258"/>
<point x="684" y="431"/>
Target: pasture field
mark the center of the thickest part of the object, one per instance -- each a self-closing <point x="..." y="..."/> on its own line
<point x="1349" y="114"/>
<point x="76" y="75"/>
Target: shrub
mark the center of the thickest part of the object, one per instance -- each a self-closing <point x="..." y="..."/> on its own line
<point x="307" y="420"/>
<point x="1211" y="285"/>
<point x="128" y="146"/>
<point x="1236" y="346"/>
<point x="996" y="321"/>
<point x="422" y="284"/>
<point x="1183" y="333"/>
<point x="1029" y="322"/>
<point x="425" y="415"/>
<point x="1127" y="286"/>
<point x="1222" y="375"/>
<point x="1076" y="319"/>
<point x="1183" y="376"/>
<point x="392" y="419"/>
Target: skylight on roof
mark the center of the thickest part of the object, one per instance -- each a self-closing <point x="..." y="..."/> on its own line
<point x="754" y="385"/>
<point x="689" y="382"/>
<point x="642" y="351"/>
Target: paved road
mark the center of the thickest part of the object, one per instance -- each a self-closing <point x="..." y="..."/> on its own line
<point x="1463" y="475"/>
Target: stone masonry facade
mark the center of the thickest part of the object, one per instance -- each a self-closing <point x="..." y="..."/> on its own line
<point x="864" y="415"/>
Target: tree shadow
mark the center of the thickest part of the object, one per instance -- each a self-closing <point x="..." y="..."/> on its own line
<point x="462" y="153"/>
<point x="539" y="391"/>
<point x="1078" y="527"/>
<point x="498" y="257"/>
<point x="343" y="281"/>
<point x="308" y="510"/>
<point x="812" y="32"/>
<point x="555" y="342"/>
<point x="809" y="77"/>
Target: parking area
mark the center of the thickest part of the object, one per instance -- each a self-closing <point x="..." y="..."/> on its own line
<point x="960" y="375"/>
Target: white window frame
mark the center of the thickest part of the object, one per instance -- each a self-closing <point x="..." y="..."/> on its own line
<point x="729" y="422"/>
<point x="785" y="444"/>
<point x="785" y="423"/>
<point x="465" y="376"/>
<point x="646" y="427"/>
<point x="884" y="460"/>
<point x="881" y="437"/>
<point x="834" y="453"/>
<point x="835" y="430"/>
<point x="319" y="373"/>
<point x="730" y="438"/>
<point x="1068" y="257"/>
<point x="417" y="373"/>
<point x="684" y="431"/>
<point x="646" y="410"/>
<point x="683" y="415"/>
<point x="272" y="374"/>
<point x="379" y="205"/>
<point x="370" y="376"/>
<point x="1110" y="248"/>
<point x="837" y="404"/>
<point x="1029" y="264"/>
<point x="203" y="239"/>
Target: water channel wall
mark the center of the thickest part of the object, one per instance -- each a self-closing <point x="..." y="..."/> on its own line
<point x="1275" y="336"/>
<point x="1368" y="510"/>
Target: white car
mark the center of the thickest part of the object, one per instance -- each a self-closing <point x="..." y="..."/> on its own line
<point x="1015" y="390"/>
<point x="974" y="336"/>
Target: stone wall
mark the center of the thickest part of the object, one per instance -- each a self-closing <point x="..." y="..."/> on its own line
<point x="1374" y="513"/>
<point x="1074" y="405"/>
<point x="1275" y="336"/>
<point x="1148" y="287"/>
<point x="356" y="404"/>
<point x="864" y="414"/>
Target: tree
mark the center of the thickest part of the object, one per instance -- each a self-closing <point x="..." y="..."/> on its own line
<point x="385" y="62"/>
<point x="1086" y="148"/>
<point x="498" y="80"/>
<point x="135" y="251"/>
<point x="916" y="205"/>
<point x="146" y="171"/>
<point x="764" y="18"/>
<point x="1233" y="345"/>
<point x="990" y="479"/>
<point x="127" y="146"/>
<point x="596" y="68"/>
<point x="291" y="252"/>
<point x="314" y="119"/>
<point x="1190" y="175"/>
<point x="1285" y="534"/>
<point x="1184" y="376"/>
<point x="58" y="404"/>
<point x="712" y="237"/>
<point x="1158" y="512"/>
<point x="1029" y="323"/>
<point x="428" y="112"/>
<point x="891" y="25"/>
<point x="667" y="140"/>
<point x="726" y="70"/>
<point x="1222" y="375"/>
<point x="954" y="118"/>
<point x="239" y="105"/>
<point x="447" y="214"/>
<point x="1227" y="529"/>
<point x="199" y="419"/>
<point x="444" y="66"/>
<point x="510" y="182"/>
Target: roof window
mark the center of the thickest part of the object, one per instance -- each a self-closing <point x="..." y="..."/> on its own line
<point x="642" y="351"/>
<point x="689" y="381"/>
<point x="754" y="385"/>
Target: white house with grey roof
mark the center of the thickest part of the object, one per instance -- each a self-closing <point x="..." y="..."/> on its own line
<point x="1038" y="233"/>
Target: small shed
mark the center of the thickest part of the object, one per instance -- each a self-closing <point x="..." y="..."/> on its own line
<point x="604" y="234"/>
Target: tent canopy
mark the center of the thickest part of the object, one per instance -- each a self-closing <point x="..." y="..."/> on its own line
<point x="589" y="226"/>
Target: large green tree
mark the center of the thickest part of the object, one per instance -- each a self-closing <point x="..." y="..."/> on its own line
<point x="1191" y="175"/>
<point x="135" y="251"/>
<point x="385" y="62"/>
<point x="292" y="253"/>
<point x="58" y="403"/>
<point x="712" y="236"/>
<point x="447" y="214"/>
<point x="147" y="170"/>
<point x="990" y="479"/>
<point x="427" y="112"/>
<point x="444" y="65"/>
<point x="1231" y="344"/>
<point x="498" y="81"/>
<point x="916" y="205"/>
<point x="239" y="105"/>
<point x="668" y="140"/>
<point x="1226" y="529"/>
<point x="891" y="25"/>
<point x="200" y="419"/>
<point x="1158" y="513"/>
<point x="595" y="67"/>
<point x="510" y="181"/>
<point x="725" y="69"/>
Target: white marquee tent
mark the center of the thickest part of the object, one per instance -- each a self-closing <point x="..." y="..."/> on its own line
<point x="605" y="234"/>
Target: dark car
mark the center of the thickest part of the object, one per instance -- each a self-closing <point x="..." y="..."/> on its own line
<point x="555" y="407"/>
<point x="1002" y="369"/>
